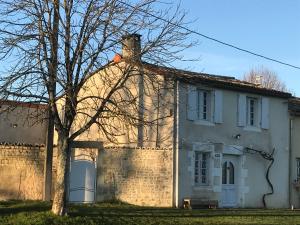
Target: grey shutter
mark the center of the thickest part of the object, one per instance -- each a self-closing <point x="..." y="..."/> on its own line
<point x="242" y="110"/>
<point x="192" y="103"/>
<point x="265" y="113"/>
<point x="218" y="113"/>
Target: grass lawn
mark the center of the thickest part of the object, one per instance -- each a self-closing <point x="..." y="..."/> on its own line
<point x="33" y="212"/>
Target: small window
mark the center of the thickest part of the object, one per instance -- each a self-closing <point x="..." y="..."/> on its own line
<point x="203" y="105"/>
<point x="201" y="168"/>
<point x="227" y="173"/>
<point x="298" y="168"/>
<point x="252" y="112"/>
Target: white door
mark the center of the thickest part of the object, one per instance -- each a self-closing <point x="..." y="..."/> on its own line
<point x="229" y="182"/>
<point x="82" y="180"/>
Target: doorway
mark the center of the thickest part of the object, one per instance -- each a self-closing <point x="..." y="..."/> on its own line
<point x="229" y="181"/>
<point x="83" y="171"/>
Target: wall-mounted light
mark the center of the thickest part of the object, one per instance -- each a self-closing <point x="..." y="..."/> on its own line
<point x="238" y="136"/>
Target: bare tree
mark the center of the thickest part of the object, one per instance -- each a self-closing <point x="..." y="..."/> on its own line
<point x="265" y="78"/>
<point x="54" y="47"/>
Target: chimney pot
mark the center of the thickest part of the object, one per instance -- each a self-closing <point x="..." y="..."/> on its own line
<point x="117" y="58"/>
<point x="131" y="48"/>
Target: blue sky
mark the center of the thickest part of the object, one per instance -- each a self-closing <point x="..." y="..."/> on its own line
<point x="267" y="27"/>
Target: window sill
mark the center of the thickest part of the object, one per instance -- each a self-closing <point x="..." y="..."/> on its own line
<point x="251" y="128"/>
<point x="202" y="187"/>
<point x="204" y="122"/>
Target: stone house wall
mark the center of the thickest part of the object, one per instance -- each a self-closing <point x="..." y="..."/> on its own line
<point x="22" y="172"/>
<point x="135" y="175"/>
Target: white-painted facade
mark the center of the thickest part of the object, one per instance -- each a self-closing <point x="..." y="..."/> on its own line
<point x="226" y="135"/>
<point x="234" y="176"/>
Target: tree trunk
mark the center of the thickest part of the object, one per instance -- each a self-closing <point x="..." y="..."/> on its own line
<point x="48" y="159"/>
<point x="61" y="184"/>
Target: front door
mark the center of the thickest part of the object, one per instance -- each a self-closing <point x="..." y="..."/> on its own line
<point x="229" y="181"/>
<point x="82" y="176"/>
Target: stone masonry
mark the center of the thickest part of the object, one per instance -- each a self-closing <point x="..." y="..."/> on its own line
<point x="136" y="176"/>
<point x="21" y="172"/>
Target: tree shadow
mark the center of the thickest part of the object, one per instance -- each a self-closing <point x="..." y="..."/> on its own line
<point x="18" y="206"/>
<point x="138" y="212"/>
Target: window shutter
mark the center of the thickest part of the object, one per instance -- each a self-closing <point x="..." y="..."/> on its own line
<point x="242" y="107"/>
<point x="192" y="103"/>
<point x="218" y="114"/>
<point x="265" y="113"/>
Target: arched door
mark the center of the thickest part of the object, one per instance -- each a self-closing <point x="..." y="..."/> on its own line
<point x="229" y="187"/>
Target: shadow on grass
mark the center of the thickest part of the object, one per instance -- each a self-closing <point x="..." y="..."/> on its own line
<point x="18" y="206"/>
<point x="134" y="211"/>
<point x="117" y="210"/>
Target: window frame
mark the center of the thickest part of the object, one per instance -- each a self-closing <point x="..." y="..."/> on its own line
<point x="204" y="105"/>
<point x="252" y="118"/>
<point x="297" y="169"/>
<point x="228" y="173"/>
<point x="201" y="173"/>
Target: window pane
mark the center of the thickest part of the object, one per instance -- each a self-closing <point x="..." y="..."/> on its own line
<point x="224" y="173"/>
<point x="196" y="172"/>
<point x="201" y="168"/>
<point x="199" y="105"/>
<point x="252" y="111"/>
<point x="204" y="112"/>
<point x="203" y="109"/>
<point x="298" y="168"/>
<point x="231" y="173"/>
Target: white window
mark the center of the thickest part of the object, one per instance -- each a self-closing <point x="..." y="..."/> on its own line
<point x="252" y="112"/>
<point x="203" y="105"/>
<point x="298" y="169"/>
<point x="227" y="173"/>
<point x="201" y="168"/>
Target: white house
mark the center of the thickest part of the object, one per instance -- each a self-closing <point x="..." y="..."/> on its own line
<point x="230" y="139"/>
<point x="227" y="133"/>
<point x="215" y="140"/>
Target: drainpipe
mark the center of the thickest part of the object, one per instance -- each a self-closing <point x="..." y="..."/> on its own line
<point x="290" y="161"/>
<point x="176" y="144"/>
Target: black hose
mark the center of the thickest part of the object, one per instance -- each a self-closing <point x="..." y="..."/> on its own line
<point x="270" y="184"/>
<point x="268" y="157"/>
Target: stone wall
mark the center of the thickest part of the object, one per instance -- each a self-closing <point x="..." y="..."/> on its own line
<point x="21" y="172"/>
<point x="137" y="176"/>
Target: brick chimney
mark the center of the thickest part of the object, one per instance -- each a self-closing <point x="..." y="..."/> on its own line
<point x="131" y="46"/>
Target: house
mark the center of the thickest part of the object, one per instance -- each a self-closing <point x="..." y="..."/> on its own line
<point x="230" y="140"/>
<point x="294" y="160"/>
<point x="201" y="139"/>
<point x="22" y="123"/>
<point x="23" y="128"/>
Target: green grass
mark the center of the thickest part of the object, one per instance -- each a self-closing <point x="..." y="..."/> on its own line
<point x="34" y="212"/>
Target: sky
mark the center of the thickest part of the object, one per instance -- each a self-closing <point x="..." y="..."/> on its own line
<point x="267" y="27"/>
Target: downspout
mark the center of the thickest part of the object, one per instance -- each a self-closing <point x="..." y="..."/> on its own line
<point x="176" y="144"/>
<point x="290" y="161"/>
